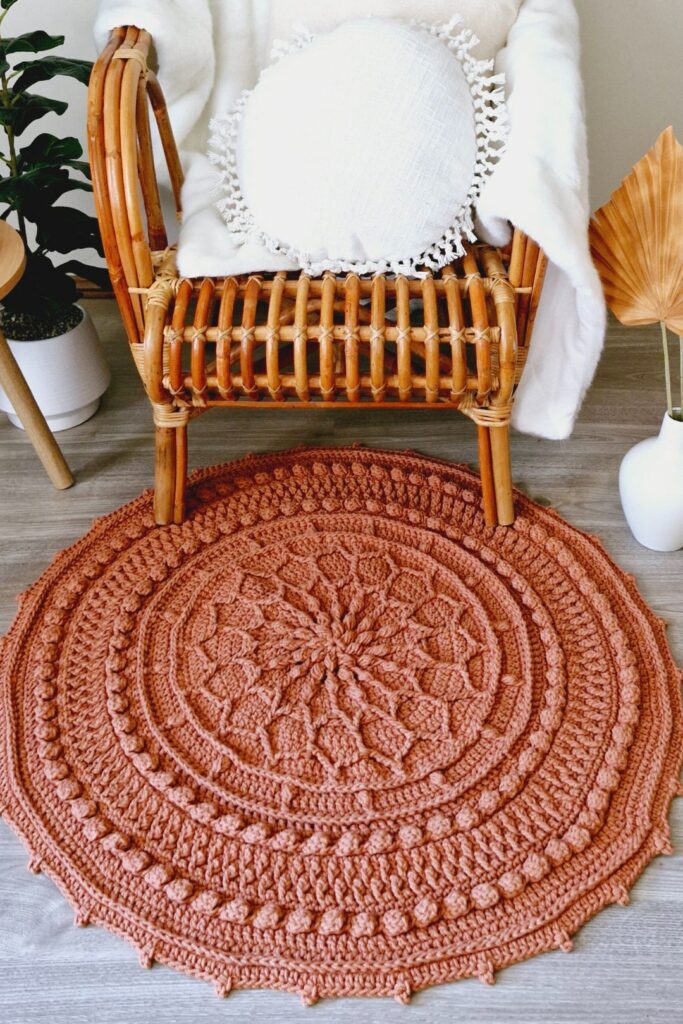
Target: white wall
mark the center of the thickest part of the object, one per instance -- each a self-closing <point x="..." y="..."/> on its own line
<point x="633" y="67"/>
<point x="633" y="61"/>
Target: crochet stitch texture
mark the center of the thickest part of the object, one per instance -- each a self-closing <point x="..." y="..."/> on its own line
<point x="334" y="735"/>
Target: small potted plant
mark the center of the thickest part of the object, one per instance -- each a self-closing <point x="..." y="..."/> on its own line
<point x="637" y="243"/>
<point x="53" y="338"/>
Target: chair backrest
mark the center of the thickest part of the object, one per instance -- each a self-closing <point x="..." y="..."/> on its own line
<point x="127" y="198"/>
<point x="490" y="20"/>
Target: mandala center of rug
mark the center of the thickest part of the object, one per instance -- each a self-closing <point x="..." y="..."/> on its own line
<point x="342" y="669"/>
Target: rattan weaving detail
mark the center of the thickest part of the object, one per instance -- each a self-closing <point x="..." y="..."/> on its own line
<point x="334" y="734"/>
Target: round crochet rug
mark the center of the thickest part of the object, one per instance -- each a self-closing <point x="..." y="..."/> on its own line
<point x="334" y="735"/>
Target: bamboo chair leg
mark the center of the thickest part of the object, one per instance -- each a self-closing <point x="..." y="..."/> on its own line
<point x="165" y="475"/>
<point x="502" y="474"/>
<point x="180" y="475"/>
<point x="486" y="472"/>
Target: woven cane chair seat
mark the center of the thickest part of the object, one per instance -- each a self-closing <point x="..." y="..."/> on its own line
<point x="448" y="340"/>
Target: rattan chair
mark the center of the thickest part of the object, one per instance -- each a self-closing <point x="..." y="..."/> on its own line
<point x="456" y="340"/>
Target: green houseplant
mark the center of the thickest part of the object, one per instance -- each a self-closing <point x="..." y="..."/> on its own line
<point x="64" y="363"/>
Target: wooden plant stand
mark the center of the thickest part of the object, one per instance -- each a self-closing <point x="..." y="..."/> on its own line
<point x="12" y="266"/>
<point x="456" y="340"/>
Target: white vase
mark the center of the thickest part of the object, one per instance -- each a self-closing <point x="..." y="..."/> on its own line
<point x="651" y="486"/>
<point x="68" y="375"/>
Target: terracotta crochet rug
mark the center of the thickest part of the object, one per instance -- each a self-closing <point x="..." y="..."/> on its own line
<point x="334" y="735"/>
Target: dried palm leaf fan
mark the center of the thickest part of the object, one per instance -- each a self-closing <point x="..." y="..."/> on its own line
<point x="637" y="244"/>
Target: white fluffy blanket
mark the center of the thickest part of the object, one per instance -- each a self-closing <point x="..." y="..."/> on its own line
<point x="541" y="184"/>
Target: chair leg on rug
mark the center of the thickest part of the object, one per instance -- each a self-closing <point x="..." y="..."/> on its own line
<point x="502" y="474"/>
<point x="180" y="475"/>
<point x="486" y="473"/>
<point x="165" y="475"/>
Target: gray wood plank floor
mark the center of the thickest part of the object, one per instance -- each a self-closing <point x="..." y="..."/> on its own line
<point x="628" y="964"/>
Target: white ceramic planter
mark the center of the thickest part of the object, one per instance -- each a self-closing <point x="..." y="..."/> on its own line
<point x="651" y="486"/>
<point x="68" y="375"/>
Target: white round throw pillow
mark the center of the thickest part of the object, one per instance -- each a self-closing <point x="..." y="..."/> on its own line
<point x="363" y="149"/>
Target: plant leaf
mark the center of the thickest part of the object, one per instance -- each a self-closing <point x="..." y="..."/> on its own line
<point x="12" y="192"/>
<point x="34" y="192"/>
<point x="30" y="42"/>
<point x="98" y="275"/>
<point x="38" y="201"/>
<point x="45" y="68"/>
<point x="636" y="239"/>
<point x="43" y="286"/>
<point x="49" y="151"/>
<point x="83" y="166"/>
<point x="28" y="108"/>
<point x="6" y="4"/>
<point x="62" y="229"/>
